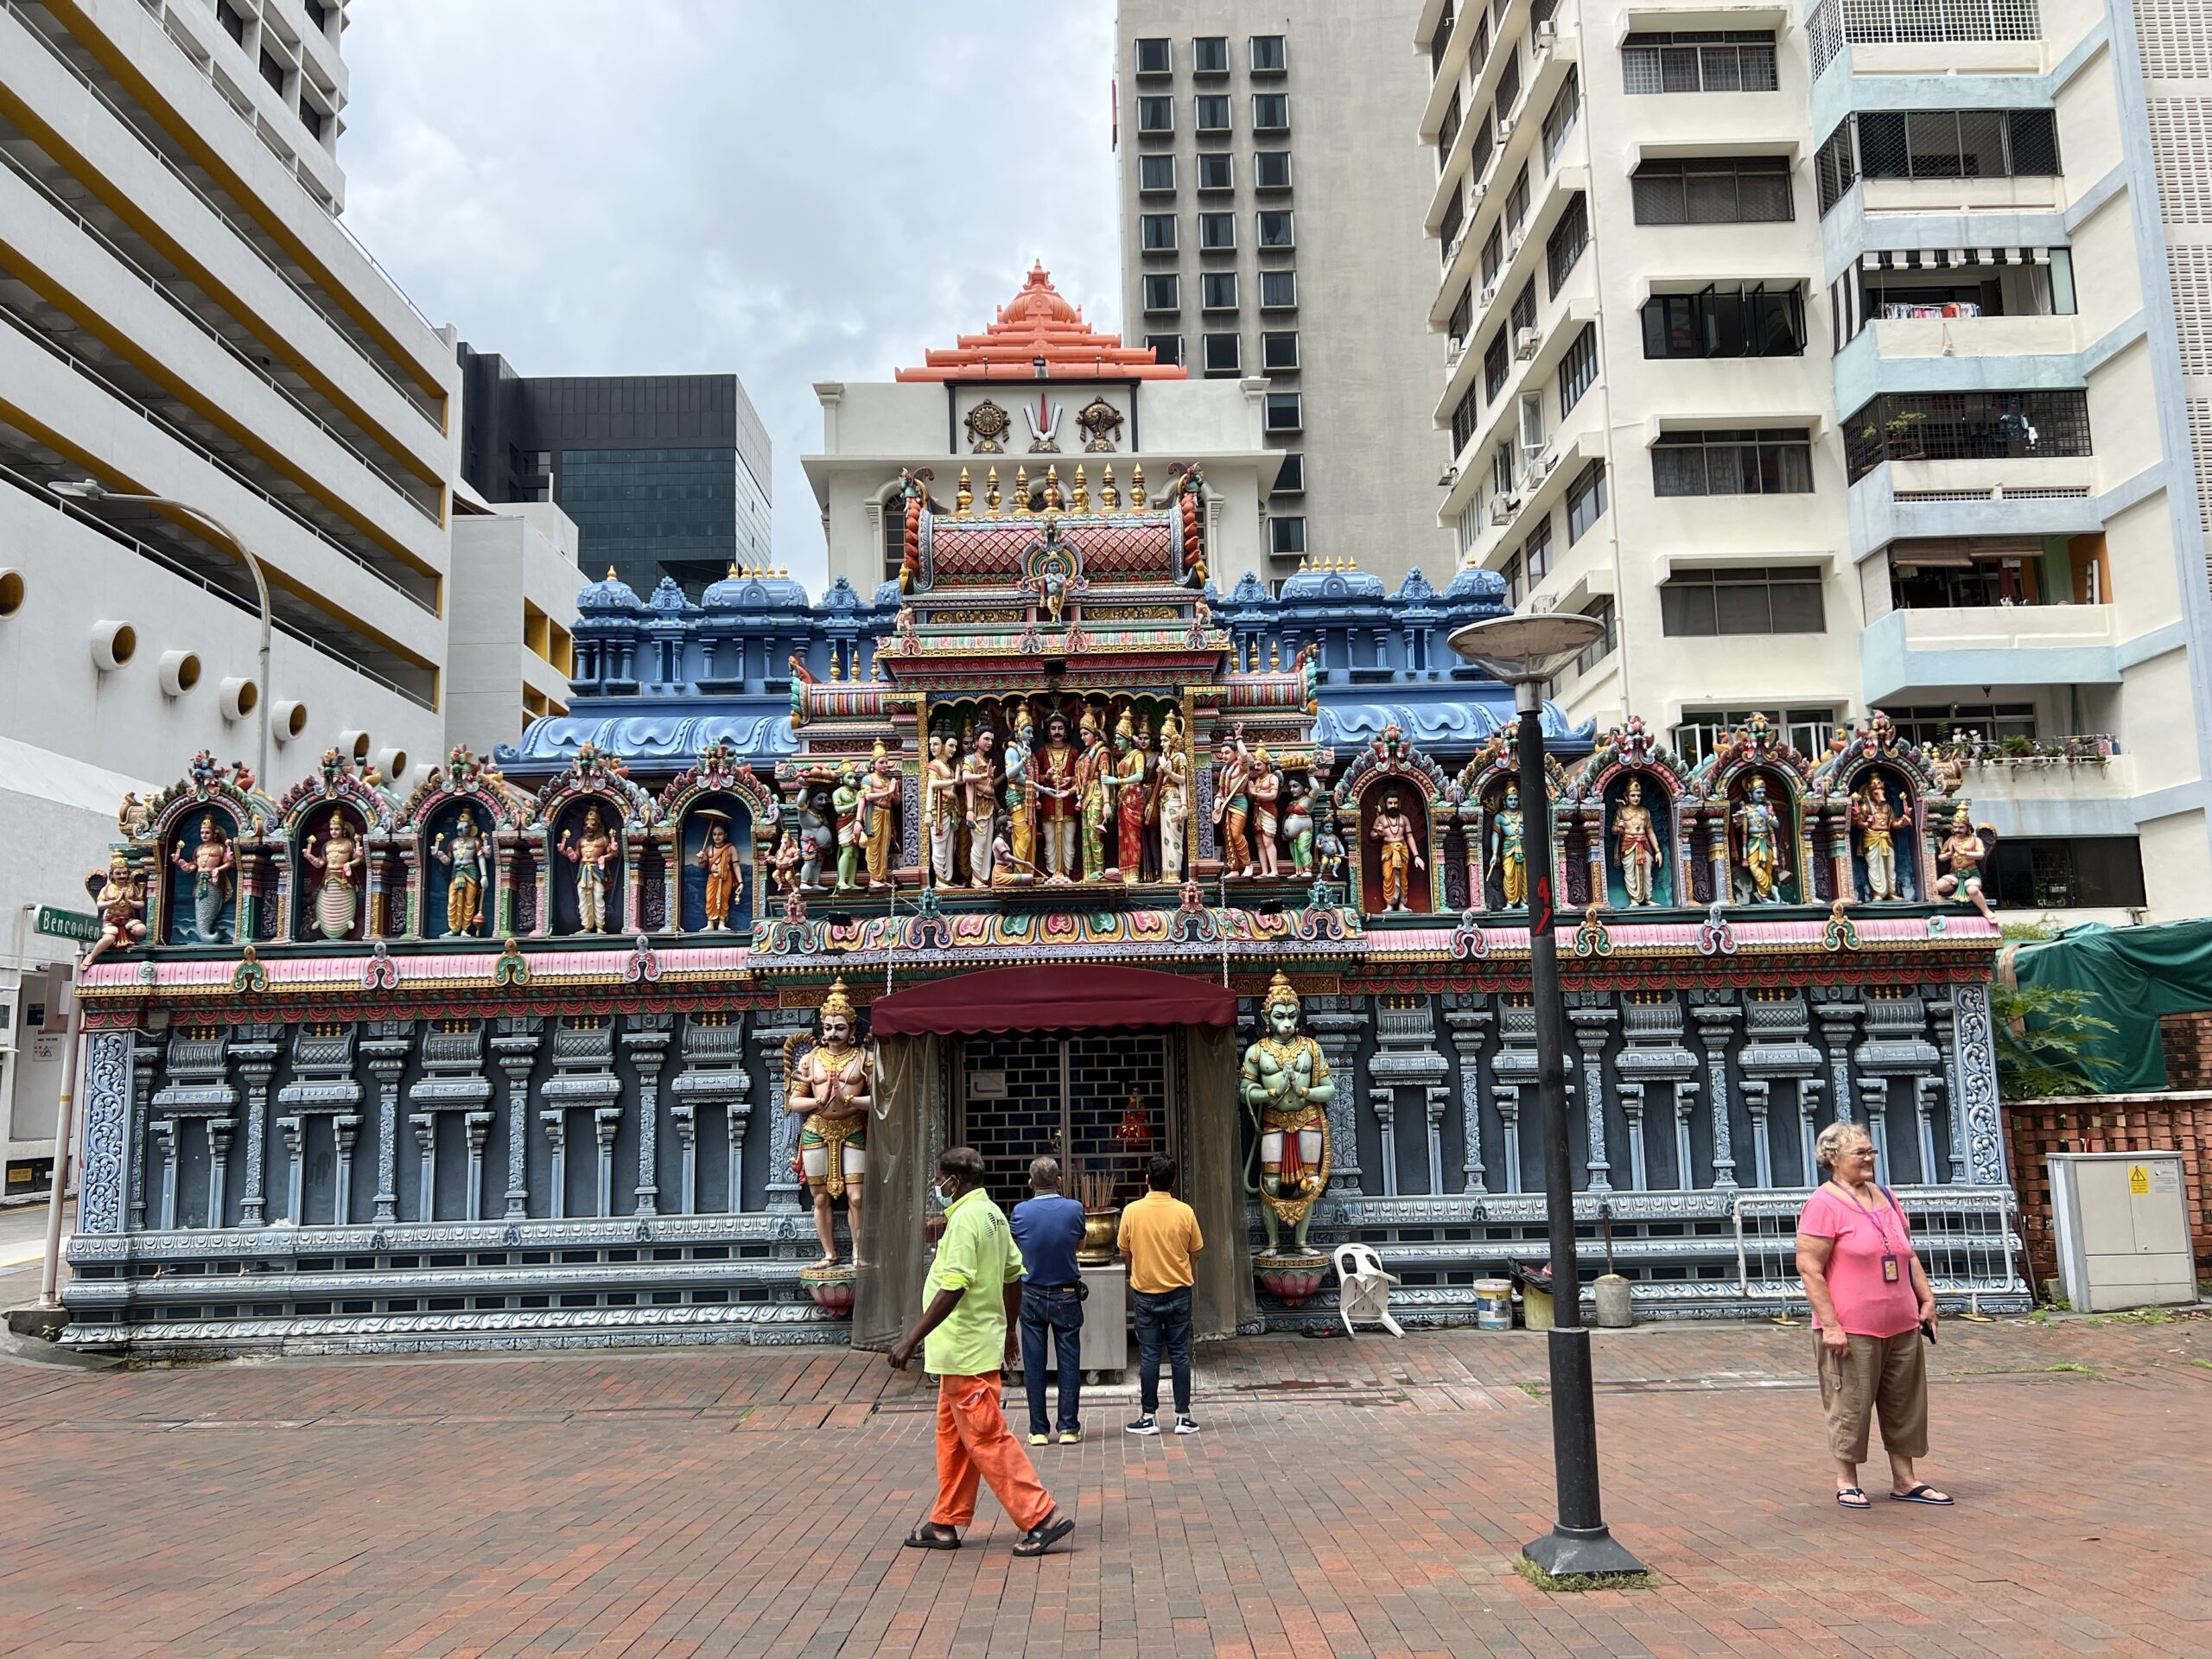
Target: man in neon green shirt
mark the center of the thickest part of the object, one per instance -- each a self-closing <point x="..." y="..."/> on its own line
<point x="974" y="1291"/>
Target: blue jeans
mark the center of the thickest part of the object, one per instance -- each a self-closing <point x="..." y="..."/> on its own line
<point x="1166" y="1316"/>
<point x="1056" y="1309"/>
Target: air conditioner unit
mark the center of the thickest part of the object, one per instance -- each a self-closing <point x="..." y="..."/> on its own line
<point x="1525" y="341"/>
<point x="1458" y="242"/>
<point x="1475" y="192"/>
<point x="1490" y="293"/>
<point x="1502" y="508"/>
<point x="1547" y="30"/>
<point x="1543" y="604"/>
<point x="1452" y="354"/>
<point x="1513" y="247"/>
<point x="1546" y="462"/>
<point x="1505" y="131"/>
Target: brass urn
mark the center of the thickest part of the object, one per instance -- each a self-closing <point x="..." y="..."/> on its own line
<point x="1101" y="1231"/>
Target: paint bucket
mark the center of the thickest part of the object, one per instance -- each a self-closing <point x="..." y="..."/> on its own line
<point x="1535" y="1308"/>
<point x="1494" y="1304"/>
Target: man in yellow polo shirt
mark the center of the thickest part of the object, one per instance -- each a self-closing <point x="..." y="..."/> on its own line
<point x="974" y="1292"/>
<point x="1159" y="1237"/>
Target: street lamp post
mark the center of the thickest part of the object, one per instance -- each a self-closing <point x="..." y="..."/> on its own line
<point x="91" y="489"/>
<point x="1525" y="651"/>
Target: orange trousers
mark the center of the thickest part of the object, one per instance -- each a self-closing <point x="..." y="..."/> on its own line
<point x="974" y="1445"/>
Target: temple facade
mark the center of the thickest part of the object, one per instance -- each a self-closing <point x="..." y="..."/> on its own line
<point x="645" y="1031"/>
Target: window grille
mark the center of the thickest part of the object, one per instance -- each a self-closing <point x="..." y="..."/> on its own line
<point x="1966" y="426"/>
<point x="1563" y="249"/>
<point x="1834" y="24"/>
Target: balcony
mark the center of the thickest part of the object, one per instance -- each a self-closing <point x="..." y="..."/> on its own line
<point x="1921" y="652"/>
<point x="1546" y="72"/>
<point x="1875" y="37"/>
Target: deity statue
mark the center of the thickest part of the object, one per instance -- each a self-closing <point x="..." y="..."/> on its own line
<point x="831" y="1091"/>
<point x="816" y="838"/>
<point x="845" y="805"/>
<point x="1635" y="838"/>
<point x="1287" y="1088"/>
<point x="1965" y="847"/>
<point x="941" y="805"/>
<point x="979" y="783"/>
<point x="210" y="865"/>
<point x="1265" y="790"/>
<point x="879" y="814"/>
<point x="468" y="858"/>
<point x="1020" y="799"/>
<point x="1091" y="789"/>
<point x="1877" y="822"/>
<point x="1509" y="858"/>
<point x="592" y="854"/>
<point x="788" y="860"/>
<point x="725" y="871"/>
<point x="1232" y="803"/>
<point x="1125" y="777"/>
<point x="1328" y="845"/>
<point x="119" y="903"/>
<point x="1298" y="827"/>
<point x="1172" y="800"/>
<point x="1148" y="749"/>
<point x="338" y="898"/>
<point x="1059" y="809"/>
<point x="1760" y="832"/>
<point x="1399" y="851"/>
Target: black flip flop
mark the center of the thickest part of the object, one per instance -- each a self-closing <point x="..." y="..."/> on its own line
<point x="1845" y="1494"/>
<point x="1038" y="1540"/>
<point x="922" y="1538"/>
<point x="1922" y="1494"/>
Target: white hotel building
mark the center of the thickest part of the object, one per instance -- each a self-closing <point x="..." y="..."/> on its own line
<point x="1828" y="350"/>
<point x="183" y="315"/>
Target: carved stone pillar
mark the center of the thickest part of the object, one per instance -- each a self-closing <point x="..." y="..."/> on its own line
<point x="682" y="1117"/>
<point x="1715" y="1024"/>
<point x="647" y="1037"/>
<point x="145" y="1052"/>
<point x="165" y="1150"/>
<point x="514" y="1043"/>
<point x="254" y="1050"/>
<point x="478" y="1126"/>
<point x="1756" y="1091"/>
<point x="556" y="1123"/>
<point x="1874" y="1096"/>
<point x="385" y="1049"/>
<point x="219" y="1130"/>
<point x="1439" y="1097"/>
<point x="1837" y="1019"/>
<point x="345" y="1128"/>
<point x="1925" y="1092"/>
<point x="1467" y="1017"/>
<point x="1809" y="1112"/>
<point x="295" y="1138"/>
<point x="1384" y="1101"/>
<point x="1944" y="1019"/>
<point x="1631" y="1097"/>
<point x="1685" y="1153"/>
<point x="1976" y="1102"/>
<point x="606" y="1120"/>
<point x="783" y="1185"/>
<point x="1336" y="1023"/>
<point x="1590" y="1023"/>
<point x="425" y="1125"/>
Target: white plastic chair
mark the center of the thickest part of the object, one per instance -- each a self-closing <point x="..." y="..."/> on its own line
<point x="1364" y="1288"/>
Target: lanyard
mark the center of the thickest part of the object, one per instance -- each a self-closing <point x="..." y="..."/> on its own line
<point x="1879" y="1217"/>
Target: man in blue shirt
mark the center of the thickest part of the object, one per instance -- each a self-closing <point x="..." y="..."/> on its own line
<point x="1047" y="1226"/>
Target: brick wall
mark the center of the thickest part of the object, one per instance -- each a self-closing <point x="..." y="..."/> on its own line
<point x="2175" y="1121"/>
<point x="2187" y="1039"/>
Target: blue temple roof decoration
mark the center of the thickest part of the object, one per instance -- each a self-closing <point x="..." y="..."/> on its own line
<point x="654" y="679"/>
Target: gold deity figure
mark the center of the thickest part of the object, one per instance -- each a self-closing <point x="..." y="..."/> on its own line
<point x="1131" y="804"/>
<point x="1287" y="1088"/>
<point x="1054" y="768"/>
<point x="725" y="873"/>
<point x="119" y="903"/>
<point x="1266" y="790"/>
<point x="1759" y="829"/>
<point x="464" y="855"/>
<point x="1090" y="769"/>
<point x="830" y="1091"/>
<point x="1510" y="856"/>
<point x="1965" y="846"/>
<point x="592" y="853"/>
<point x="1232" y="803"/>
<point x="1396" y="852"/>
<point x="210" y="864"/>
<point x="1020" y="802"/>
<point x="878" y="815"/>
<point x="1877" y="822"/>
<point x="941" y="805"/>
<point x="979" y="785"/>
<point x="1636" y="841"/>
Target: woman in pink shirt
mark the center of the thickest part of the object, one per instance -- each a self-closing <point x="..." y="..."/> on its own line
<point x="1871" y="1302"/>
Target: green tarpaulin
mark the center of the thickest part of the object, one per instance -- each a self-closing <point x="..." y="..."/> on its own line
<point x="2132" y="975"/>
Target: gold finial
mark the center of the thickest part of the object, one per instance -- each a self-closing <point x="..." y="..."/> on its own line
<point x="1274" y="655"/>
<point x="1351" y="561"/>
<point x="610" y="573"/>
<point x="1021" y="491"/>
<point x="1053" y="484"/>
<point x="1107" y="499"/>
<point x="733" y="570"/>
<point x="1302" y="564"/>
<point x="991" y="493"/>
<point x="1280" y="993"/>
<point x="965" y="499"/>
<point x="839" y="1002"/>
<point x="1080" y="501"/>
<point x="1136" y="487"/>
<point x="783" y="572"/>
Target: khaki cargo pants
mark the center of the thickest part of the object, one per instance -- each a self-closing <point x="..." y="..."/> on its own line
<point x="1886" y="1376"/>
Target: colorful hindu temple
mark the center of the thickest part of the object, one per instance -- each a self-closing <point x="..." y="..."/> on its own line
<point x="642" y="1032"/>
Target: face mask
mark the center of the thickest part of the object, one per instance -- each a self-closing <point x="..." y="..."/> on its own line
<point x="937" y="1199"/>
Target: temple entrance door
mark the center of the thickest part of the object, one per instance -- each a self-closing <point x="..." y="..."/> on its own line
<point x="1070" y="1095"/>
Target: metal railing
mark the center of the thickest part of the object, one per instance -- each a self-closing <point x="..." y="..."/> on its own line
<point x="184" y="308"/>
<point x="154" y="418"/>
<point x="1966" y="1238"/>
<point x="184" y="572"/>
<point x="420" y="400"/>
<point x="1834" y="24"/>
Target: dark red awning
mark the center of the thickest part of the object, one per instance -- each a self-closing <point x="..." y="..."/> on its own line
<point x="1058" y="996"/>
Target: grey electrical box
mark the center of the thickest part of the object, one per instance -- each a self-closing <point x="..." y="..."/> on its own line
<point x="2122" y="1225"/>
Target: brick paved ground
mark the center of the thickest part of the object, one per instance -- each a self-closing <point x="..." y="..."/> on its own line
<point x="1343" y="1499"/>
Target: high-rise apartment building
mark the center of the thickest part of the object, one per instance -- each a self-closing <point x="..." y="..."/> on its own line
<point x="665" y="475"/>
<point x="1270" y="226"/>
<point x="185" y="317"/>
<point x="1824" y="352"/>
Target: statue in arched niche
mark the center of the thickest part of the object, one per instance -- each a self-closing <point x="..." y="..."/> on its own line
<point x="212" y="863"/>
<point x="339" y="861"/>
<point x="1397" y="847"/>
<point x="725" y="870"/>
<point x="468" y="859"/>
<point x="1877" y="821"/>
<point x="1762" y="844"/>
<point x="1637" y="842"/>
<point x="1508" y="859"/>
<point x="595" y="856"/>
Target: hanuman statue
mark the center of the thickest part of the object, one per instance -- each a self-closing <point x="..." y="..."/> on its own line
<point x="1287" y="1088"/>
<point x="830" y="1089"/>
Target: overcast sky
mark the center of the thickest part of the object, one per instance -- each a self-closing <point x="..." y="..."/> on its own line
<point x="795" y="190"/>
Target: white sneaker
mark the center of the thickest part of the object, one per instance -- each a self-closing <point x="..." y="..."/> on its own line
<point x="1185" y="1425"/>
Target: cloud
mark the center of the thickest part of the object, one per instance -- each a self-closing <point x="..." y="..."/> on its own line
<point x="796" y="191"/>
